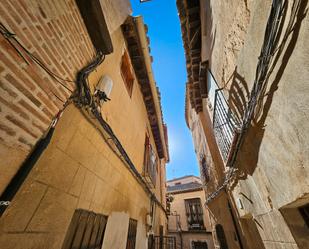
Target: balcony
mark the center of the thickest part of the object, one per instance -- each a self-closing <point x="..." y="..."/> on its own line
<point x="225" y="122"/>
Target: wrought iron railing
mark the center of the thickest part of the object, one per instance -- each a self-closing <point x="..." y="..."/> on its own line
<point x="225" y="124"/>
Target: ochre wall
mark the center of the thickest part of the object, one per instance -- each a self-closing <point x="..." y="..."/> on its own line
<point x="78" y="169"/>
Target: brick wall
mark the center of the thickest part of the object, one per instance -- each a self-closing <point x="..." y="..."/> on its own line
<point x="29" y="98"/>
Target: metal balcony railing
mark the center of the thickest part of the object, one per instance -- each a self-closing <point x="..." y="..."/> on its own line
<point x="225" y="124"/>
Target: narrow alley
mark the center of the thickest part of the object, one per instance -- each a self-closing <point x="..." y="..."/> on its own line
<point x="159" y="124"/>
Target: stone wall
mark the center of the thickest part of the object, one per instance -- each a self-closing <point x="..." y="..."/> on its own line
<point x="273" y="161"/>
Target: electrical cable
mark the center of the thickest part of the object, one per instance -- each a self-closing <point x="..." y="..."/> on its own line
<point x="268" y="50"/>
<point x="11" y="36"/>
<point x="84" y="99"/>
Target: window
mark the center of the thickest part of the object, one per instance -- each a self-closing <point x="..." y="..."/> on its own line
<point x="126" y="72"/>
<point x="304" y="211"/>
<point x="194" y="214"/>
<point x="86" y="230"/>
<point x="131" y="240"/>
<point x="199" y="245"/>
<point x="150" y="162"/>
<point x="221" y="236"/>
<point x="204" y="170"/>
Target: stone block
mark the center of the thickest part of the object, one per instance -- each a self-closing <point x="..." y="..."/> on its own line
<point x="81" y="150"/>
<point x="54" y="212"/>
<point x="56" y="169"/>
<point x="23" y="206"/>
<point x="78" y="181"/>
<point x="88" y="186"/>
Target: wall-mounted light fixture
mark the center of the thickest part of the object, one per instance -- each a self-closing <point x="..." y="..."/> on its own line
<point x="103" y="88"/>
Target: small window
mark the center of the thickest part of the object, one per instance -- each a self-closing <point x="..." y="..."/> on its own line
<point x="204" y="170"/>
<point x="177" y="183"/>
<point x="150" y="163"/>
<point x="86" y="230"/>
<point x="194" y="214"/>
<point x="127" y="73"/>
<point x="304" y="211"/>
<point x="199" y="245"/>
<point x="131" y="240"/>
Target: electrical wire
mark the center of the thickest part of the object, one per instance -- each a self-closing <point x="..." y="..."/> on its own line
<point x="9" y="36"/>
<point x="85" y="99"/>
<point x="268" y="50"/>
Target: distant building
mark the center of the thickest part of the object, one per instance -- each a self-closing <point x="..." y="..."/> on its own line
<point x="188" y="220"/>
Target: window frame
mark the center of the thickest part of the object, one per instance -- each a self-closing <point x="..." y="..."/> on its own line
<point x="127" y="72"/>
<point x="132" y="232"/>
<point x="194" y="223"/>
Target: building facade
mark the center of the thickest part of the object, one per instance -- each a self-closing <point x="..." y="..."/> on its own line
<point x="83" y="144"/>
<point x="246" y="105"/>
<point x="188" y="220"/>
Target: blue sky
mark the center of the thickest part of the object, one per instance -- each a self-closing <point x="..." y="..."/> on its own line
<point x="170" y="74"/>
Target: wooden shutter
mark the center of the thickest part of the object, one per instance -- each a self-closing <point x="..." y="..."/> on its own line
<point x="194" y="213"/>
<point x="86" y="230"/>
<point x="131" y="240"/>
<point x="127" y="73"/>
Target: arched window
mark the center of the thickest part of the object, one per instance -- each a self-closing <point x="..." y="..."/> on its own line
<point x="221" y="236"/>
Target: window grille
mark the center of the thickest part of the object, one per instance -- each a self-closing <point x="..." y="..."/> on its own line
<point x="194" y="214"/>
<point x="224" y="123"/>
<point x="150" y="162"/>
<point x="131" y="240"/>
<point x="199" y="245"/>
<point x="127" y="73"/>
<point x="85" y="231"/>
<point x="304" y="211"/>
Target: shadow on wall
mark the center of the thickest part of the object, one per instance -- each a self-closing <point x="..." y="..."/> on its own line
<point x="210" y="36"/>
<point x="239" y="93"/>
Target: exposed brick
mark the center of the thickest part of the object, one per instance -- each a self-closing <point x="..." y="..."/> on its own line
<point x="22" y="89"/>
<point x="34" y="111"/>
<point x="17" y="72"/>
<point x="48" y="113"/>
<point x="8" y="90"/>
<point x="47" y="101"/>
<point x="12" y="12"/>
<point x="14" y="27"/>
<point x="24" y="141"/>
<point x="35" y="124"/>
<point x="23" y="5"/>
<point x="15" y="108"/>
<point x="20" y="124"/>
<point x="7" y="130"/>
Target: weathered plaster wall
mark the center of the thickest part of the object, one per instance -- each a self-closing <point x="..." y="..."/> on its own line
<point x="274" y="159"/>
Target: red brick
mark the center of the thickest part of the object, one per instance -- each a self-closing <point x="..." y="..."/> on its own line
<point x="24" y="141"/>
<point x="48" y="102"/>
<point x="34" y="111"/>
<point x="20" y="124"/>
<point x="8" y="90"/>
<point x="15" y="108"/>
<point x="13" y="27"/>
<point x="7" y="130"/>
<point x="22" y="89"/>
